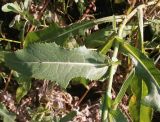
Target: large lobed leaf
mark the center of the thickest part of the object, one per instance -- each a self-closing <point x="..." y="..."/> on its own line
<point x="148" y="72"/>
<point x="51" y="62"/>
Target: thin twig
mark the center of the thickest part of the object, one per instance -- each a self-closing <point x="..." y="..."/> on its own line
<point x="9" y="40"/>
<point x="86" y="92"/>
<point x="155" y="6"/>
<point x="129" y="16"/>
<point x="88" y="9"/>
<point x="8" y="80"/>
<point x="156" y="61"/>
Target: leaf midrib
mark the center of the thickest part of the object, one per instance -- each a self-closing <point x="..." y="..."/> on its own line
<point x="67" y="63"/>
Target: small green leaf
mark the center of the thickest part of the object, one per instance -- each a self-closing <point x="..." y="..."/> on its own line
<point x="81" y="80"/>
<point x="51" y="62"/>
<point x="20" y="93"/>
<point x="7" y="116"/>
<point x="98" y="38"/>
<point x="68" y="117"/>
<point x="107" y="45"/>
<point x="25" y="85"/>
<point x="27" y="3"/>
<point x="2" y="56"/>
<point x="11" y="7"/>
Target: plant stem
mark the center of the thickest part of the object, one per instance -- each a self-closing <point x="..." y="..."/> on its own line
<point x="108" y="94"/>
<point x="118" y="18"/>
<point x="113" y="68"/>
<point x="9" y="40"/>
<point x="8" y="80"/>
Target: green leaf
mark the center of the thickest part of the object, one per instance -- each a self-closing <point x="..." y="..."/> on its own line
<point x="11" y="7"/>
<point x="146" y="112"/>
<point x="69" y="116"/>
<point x="114" y="115"/>
<point x="107" y="45"/>
<point x="139" y="112"/>
<point x="149" y="73"/>
<point x="24" y="87"/>
<point x="51" y="62"/>
<point x="80" y="80"/>
<point x="54" y="33"/>
<point x="98" y="38"/>
<point x="7" y="116"/>
<point x="27" y="3"/>
<point x="1" y="56"/>
<point x="117" y="116"/>
<point x="124" y="88"/>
